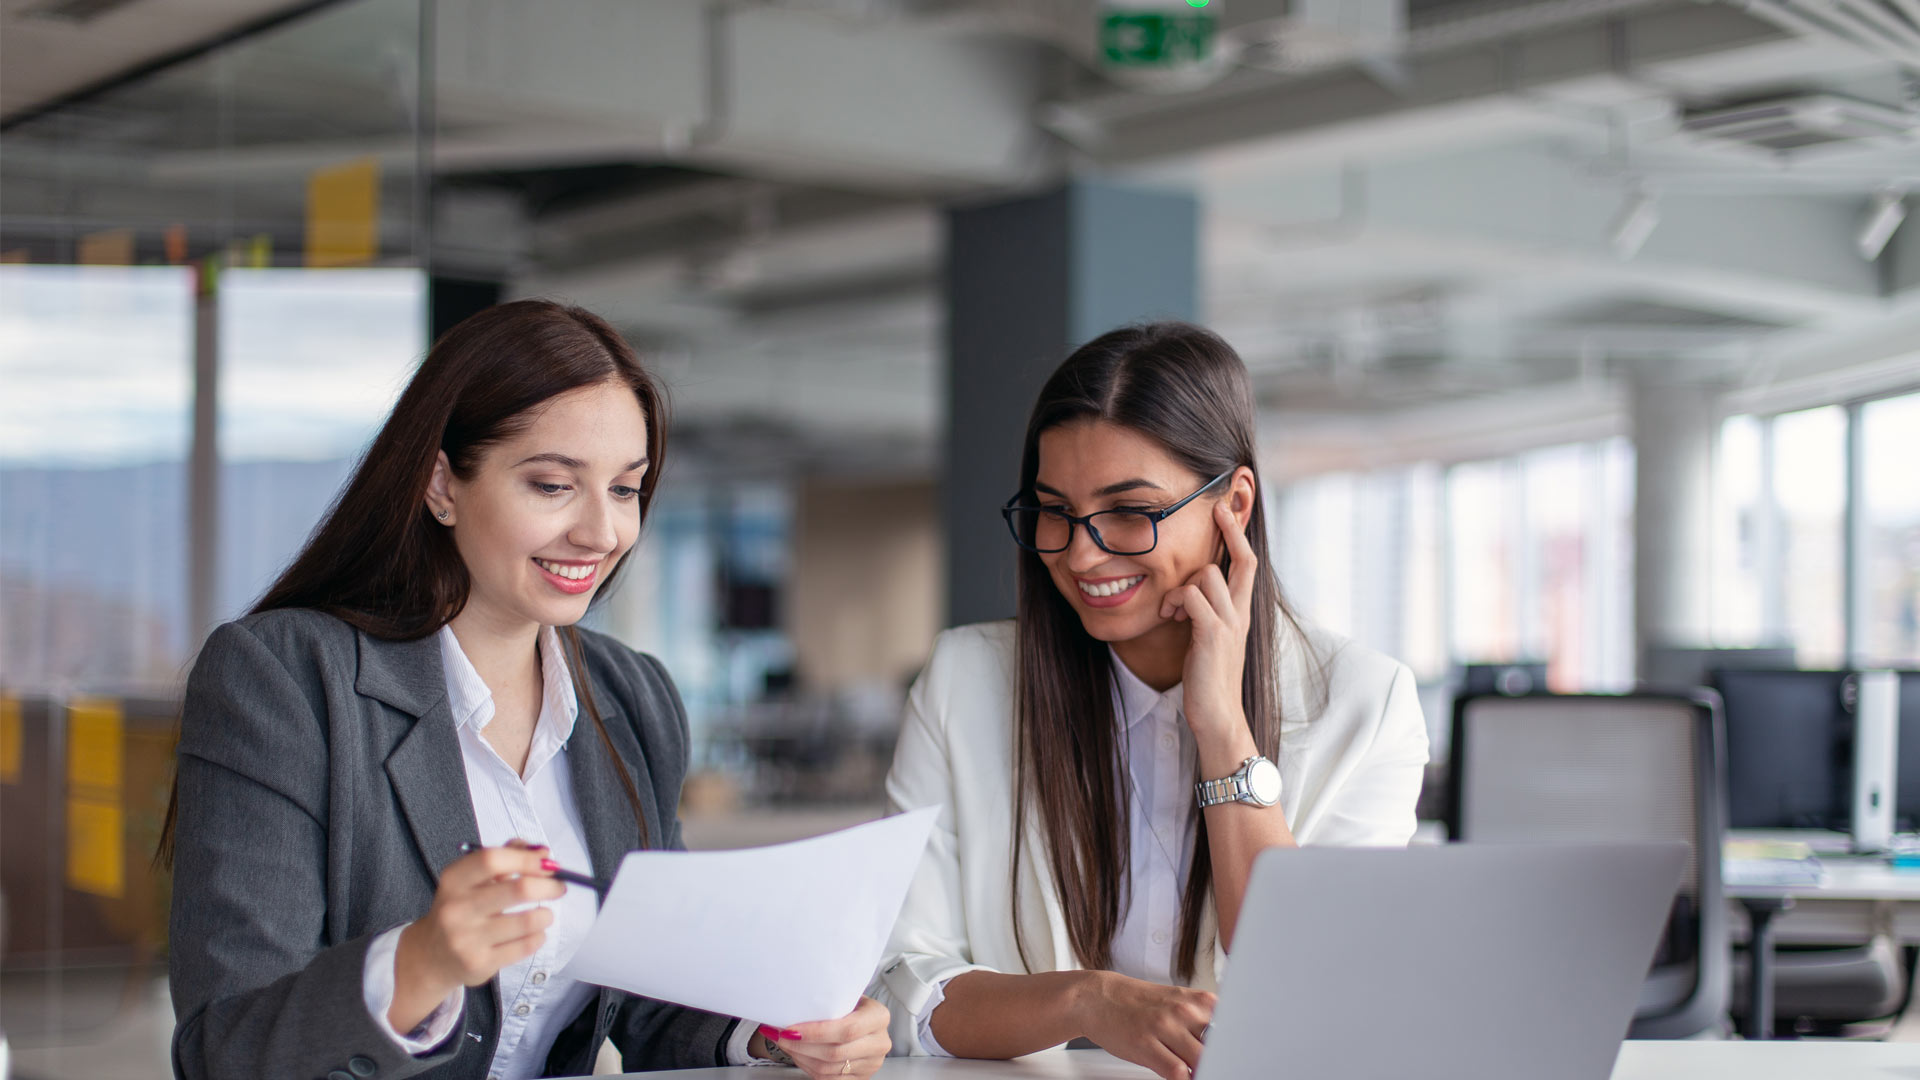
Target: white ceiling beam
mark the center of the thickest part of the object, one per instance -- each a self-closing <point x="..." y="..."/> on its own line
<point x="1521" y="212"/>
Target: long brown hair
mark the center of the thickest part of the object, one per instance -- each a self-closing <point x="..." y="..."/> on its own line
<point x="1187" y="390"/>
<point x="378" y="560"/>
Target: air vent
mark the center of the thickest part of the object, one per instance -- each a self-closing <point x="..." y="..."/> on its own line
<point x="1802" y="122"/>
<point x="77" y="12"/>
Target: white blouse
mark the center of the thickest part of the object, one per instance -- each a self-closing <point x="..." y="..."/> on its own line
<point x="1162" y="764"/>
<point x="537" y="806"/>
<point x="1353" y="748"/>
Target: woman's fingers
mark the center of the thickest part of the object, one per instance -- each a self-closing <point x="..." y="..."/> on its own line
<point x="1243" y="562"/>
<point x="1213" y="585"/>
<point x="1184" y="1045"/>
<point x="497" y="896"/>
<point x="1164" y="1062"/>
<point x="873" y="1045"/>
<point x="1187" y="603"/>
<point x="853" y="1045"/>
<point x="489" y="864"/>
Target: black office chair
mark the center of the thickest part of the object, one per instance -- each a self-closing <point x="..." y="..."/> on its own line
<point x="1594" y="768"/>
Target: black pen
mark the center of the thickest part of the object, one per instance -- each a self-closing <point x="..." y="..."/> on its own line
<point x="596" y="884"/>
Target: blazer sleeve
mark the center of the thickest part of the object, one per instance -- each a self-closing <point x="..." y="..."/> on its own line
<point x="256" y="989"/>
<point x="1375" y="807"/>
<point x="929" y="942"/>
<point x="652" y="1034"/>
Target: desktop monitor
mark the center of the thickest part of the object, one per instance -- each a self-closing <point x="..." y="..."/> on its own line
<point x="1789" y="748"/>
<point x="1511" y="680"/>
<point x="1668" y="665"/>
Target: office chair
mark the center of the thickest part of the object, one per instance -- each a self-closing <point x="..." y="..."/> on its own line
<point x="1546" y="768"/>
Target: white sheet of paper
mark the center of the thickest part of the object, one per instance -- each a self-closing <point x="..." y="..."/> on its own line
<point x="779" y="935"/>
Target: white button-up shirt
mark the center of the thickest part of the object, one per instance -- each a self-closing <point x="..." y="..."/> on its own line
<point x="1162" y="760"/>
<point x="536" y="805"/>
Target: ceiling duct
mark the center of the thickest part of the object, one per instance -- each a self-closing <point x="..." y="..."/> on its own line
<point x="1177" y="45"/>
<point x="77" y="12"/>
<point x="1799" y="123"/>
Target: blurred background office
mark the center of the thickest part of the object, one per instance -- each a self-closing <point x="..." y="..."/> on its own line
<point x="1582" y="330"/>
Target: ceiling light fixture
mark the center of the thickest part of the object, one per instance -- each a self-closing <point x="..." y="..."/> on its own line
<point x="1635" y="223"/>
<point x="1888" y="210"/>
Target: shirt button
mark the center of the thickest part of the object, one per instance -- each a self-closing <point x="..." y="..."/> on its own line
<point x="539" y="977"/>
<point x="1159" y="937"/>
<point x="1166" y="742"/>
<point x="522" y="1009"/>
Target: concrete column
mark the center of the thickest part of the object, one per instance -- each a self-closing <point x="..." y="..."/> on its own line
<point x="203" y="465"/>
<point x="1026" y="281"/>
<point x="1673" y="436"/>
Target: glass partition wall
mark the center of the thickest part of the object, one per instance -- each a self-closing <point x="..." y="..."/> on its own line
<point x="212" y="285"/>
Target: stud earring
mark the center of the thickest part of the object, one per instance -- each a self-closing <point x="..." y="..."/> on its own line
<point x="442" y="515"/>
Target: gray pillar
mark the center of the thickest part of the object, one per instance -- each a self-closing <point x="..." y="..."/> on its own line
<point x="1027" y="280"/>
<point x="203" y="466"/>
<point x="1673" y="437"/>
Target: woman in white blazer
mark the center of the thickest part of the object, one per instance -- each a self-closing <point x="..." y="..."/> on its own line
<point x="1109" y="763"/>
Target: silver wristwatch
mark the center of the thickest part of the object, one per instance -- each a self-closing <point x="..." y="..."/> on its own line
<point x="1257" y="781"/>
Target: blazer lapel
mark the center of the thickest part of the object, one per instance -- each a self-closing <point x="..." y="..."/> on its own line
<point x="605" y="813"/>
<point x="428" y="775"/>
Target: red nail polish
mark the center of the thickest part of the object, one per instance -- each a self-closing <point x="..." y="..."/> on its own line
<point x="791" y="1036"/>
<point x="549" y="865"/>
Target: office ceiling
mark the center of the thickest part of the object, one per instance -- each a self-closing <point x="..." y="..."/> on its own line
<point x="1516" y="200"/>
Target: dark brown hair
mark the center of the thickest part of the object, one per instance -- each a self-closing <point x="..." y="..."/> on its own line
<point x="1186" y="389"/>
<point x="379" y="561"/>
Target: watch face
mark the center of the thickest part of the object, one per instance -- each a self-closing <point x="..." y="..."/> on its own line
<point x="1263" y="779"/>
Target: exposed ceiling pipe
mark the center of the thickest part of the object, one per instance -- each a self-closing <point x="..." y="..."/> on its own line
<point x="1874" y="15"/>
<point x="1826" y="19"/>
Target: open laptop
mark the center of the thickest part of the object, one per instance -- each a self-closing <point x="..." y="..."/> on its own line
<point x="1468" y="960"/>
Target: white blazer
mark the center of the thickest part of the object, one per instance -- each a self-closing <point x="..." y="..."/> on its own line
<point x="1351" y="773"/>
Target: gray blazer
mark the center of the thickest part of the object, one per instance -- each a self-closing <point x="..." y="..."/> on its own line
<point x="321" y="791"/>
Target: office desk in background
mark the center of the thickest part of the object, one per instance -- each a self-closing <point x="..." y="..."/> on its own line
<point x="1861" y="898"/>
<point x="1665" y="1060"/>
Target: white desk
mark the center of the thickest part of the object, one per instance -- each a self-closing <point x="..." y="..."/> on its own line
<point x="1638" y="1061"/>
<point x="1862" y="898"/>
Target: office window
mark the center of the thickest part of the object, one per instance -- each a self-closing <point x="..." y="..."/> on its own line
<point x="1312" y="548"/>
<point x="1809" y="476"/>
<point x="1780" y="534"/>
<point x="1485" y="518"/>
<point x="1541" y="561"/>
<point x="95" y="425"/>
<point x="1422" y="596"/>
<point x="1745" y="541"/>
<point x="1359" y="554"/>
<point x="311" y="362"/>
<point x="1890" y="546"/>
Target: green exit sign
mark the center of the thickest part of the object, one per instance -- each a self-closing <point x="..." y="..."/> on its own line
<point x="1155" y="39"/>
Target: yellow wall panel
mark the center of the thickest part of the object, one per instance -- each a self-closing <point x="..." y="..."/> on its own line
<point x="343" y="214"/>
<point x="94" y="747"/>
<point x="12" y="739"/>
<point x="96" y="851"/>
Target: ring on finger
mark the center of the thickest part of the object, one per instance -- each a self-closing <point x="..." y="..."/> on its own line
<point x="846" y="1067"/>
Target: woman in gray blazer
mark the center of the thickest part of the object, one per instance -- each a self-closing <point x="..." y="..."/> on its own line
<point x="381" y="765"/>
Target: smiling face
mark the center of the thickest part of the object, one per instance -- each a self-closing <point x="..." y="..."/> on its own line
<point x="1092" y="465"/>
<point x="548" y="513"/>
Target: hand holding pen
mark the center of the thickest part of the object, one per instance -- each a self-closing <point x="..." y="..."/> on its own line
<point x="599" y="885"/>
<point x="469" y="934"/>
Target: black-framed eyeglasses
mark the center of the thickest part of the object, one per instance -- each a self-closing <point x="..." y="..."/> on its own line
<point x="1046" y="529"/>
